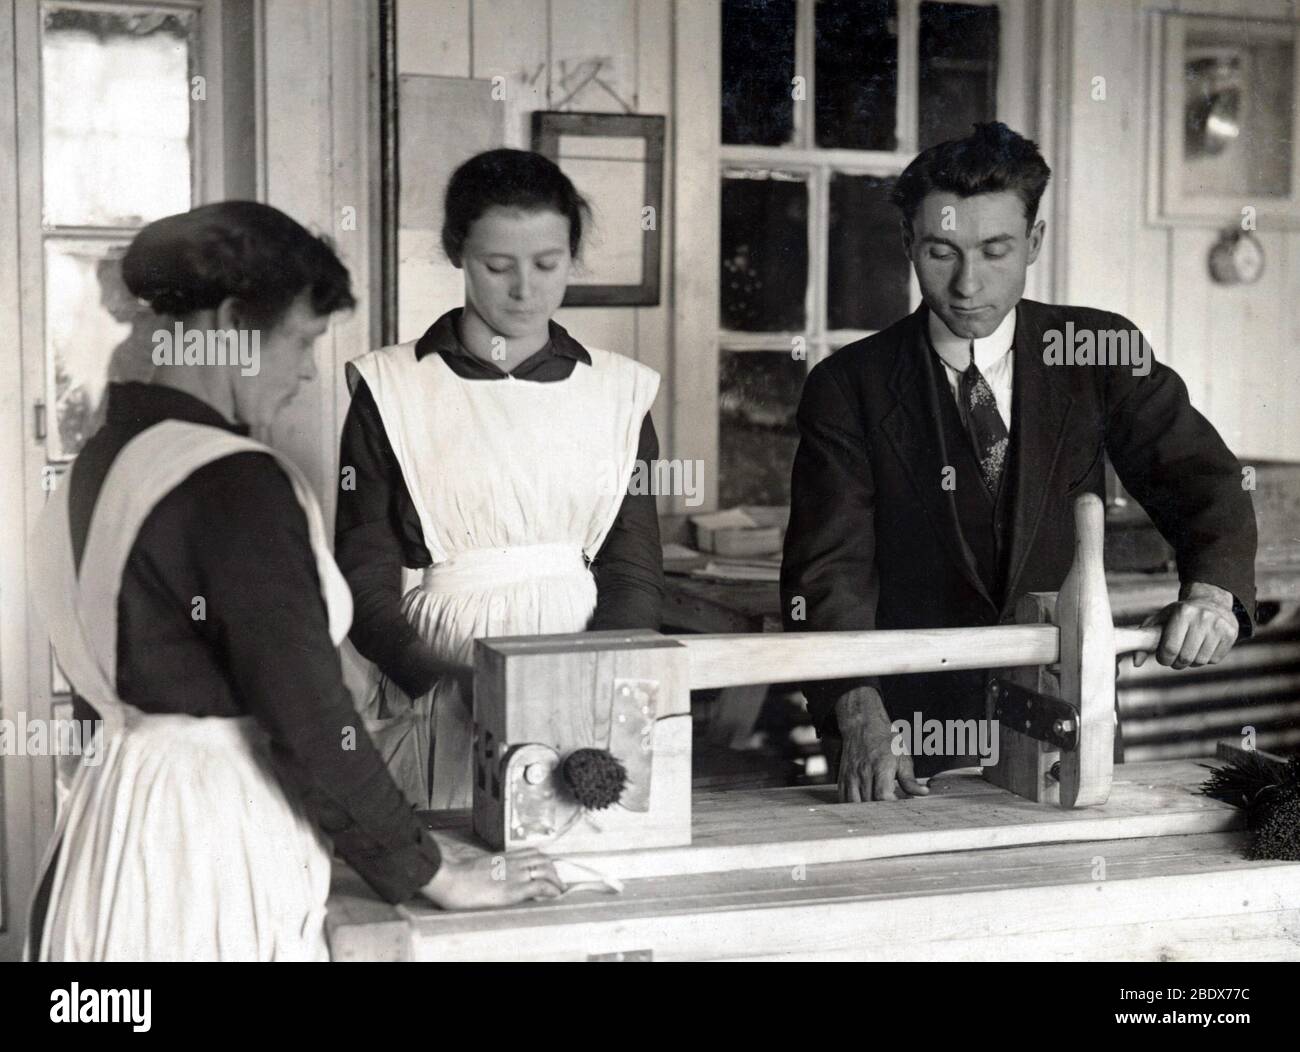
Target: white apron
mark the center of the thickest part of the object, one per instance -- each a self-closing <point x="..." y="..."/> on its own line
<point x="180" y="843"/>
<point x="516" y="485"/>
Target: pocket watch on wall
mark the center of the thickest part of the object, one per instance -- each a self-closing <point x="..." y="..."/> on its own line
<point x="1237" y="258"/>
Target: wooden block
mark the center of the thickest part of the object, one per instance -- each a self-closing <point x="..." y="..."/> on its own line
<point x="1024" y="763"/>
<point x="1230" y="749"/>
<point x="555" y="694"/>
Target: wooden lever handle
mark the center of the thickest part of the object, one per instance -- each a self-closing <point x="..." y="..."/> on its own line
<point x="1087" y="660"/>
<point x="1129" y="640"/>
<point x="786" y="657"/>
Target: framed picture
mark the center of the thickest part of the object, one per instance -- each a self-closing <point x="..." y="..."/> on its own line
<point x="617" y="162"/>
<point x="1225" y="145"/>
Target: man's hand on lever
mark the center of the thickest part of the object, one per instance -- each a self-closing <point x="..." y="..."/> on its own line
<point x="871" y="767"/>
<point x="1199" y="629"/>
<point x="490" y="881"/>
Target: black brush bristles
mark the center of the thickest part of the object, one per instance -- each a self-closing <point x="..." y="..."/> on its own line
<point x="1269" y="792"/>
<point x="595" y="777"/>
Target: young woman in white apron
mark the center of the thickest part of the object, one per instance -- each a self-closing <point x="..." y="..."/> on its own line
<point x="495" y="453"/>
<point x="191" y="597"/>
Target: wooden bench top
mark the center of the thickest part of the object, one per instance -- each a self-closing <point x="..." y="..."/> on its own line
<point x="969" y="871"/>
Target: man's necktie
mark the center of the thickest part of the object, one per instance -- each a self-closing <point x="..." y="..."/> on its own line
<point x="984" y="423"/>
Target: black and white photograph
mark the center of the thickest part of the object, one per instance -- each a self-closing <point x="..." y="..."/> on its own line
<point x="532" y="481"/>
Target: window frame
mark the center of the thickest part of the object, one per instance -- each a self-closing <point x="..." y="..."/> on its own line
<point x="1015" y="105"/>
<point x="819" y="165"/>
<point x="206" y="174"/>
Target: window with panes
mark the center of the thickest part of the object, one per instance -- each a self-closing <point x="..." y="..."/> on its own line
<point x="117" y="140"/>
<point x="824" y="102"/>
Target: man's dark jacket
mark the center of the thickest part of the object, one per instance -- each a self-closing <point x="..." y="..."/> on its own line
<point x="874" y="540"/>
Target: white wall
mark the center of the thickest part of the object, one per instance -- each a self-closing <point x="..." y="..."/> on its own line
<point x="316" y="161"/>
<point x="1237" y="347"/>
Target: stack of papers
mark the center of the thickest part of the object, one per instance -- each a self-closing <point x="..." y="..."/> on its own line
<point x="740" y="570"/>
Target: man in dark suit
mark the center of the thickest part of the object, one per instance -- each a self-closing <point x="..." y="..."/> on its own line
<point x="939" y="461"/>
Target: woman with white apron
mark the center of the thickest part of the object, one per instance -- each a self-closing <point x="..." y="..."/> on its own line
<point x="184" y="575"/>
<point x="500" y="456"/>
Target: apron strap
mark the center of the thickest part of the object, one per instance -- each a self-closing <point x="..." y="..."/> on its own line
<point x="631" y="387"/>
<point x="54" y="592"/>
<point x="382" y="371"/>
<point x="150" y="466"/>
<point x="80" y="615"/>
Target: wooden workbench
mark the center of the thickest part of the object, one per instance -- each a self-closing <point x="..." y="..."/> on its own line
<point x="969" y="873"/>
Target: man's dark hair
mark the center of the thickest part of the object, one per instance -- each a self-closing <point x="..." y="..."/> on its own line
<point x="509" y="179"/>
<point x="991" y="160"/>
<point x="241" y="249"/>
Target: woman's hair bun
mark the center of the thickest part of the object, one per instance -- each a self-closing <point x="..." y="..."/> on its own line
<point x="241" y="249"/>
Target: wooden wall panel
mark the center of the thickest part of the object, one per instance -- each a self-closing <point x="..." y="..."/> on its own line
<point x="696" y="133"/>
<point x="1188" y="313"/>
<point x="653" y="337"/>
<point x="298" y="180"/>
<point x="1245" y="355"/>
<point x="594" y="59"/>
<point x="1103" y="183"/>
<point x="433" y="37"/>
<point x="510" y="39"/>
<point x="1233" y="345"/>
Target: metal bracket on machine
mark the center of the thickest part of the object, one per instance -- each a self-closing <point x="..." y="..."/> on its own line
<point x="1039" y="716"/>
<point x="631" y="736"/>
<point x="529" y="774"/>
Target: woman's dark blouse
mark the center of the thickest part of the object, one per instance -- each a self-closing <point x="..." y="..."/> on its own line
<point x="234" y="533"/>
<point x="377" y="530"/>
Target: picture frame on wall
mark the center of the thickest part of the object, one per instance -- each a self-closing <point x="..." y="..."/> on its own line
<point x="1224" y="144"/>
<point x="616" y="161"/>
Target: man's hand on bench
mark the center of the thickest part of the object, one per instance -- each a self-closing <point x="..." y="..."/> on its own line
<point x="871" y="766"/>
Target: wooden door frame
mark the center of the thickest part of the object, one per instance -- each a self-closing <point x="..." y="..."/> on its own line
<point x="27" y="819"/>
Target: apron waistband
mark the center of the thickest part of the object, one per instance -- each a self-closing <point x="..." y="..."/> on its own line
<point x="224" y="729"/>
<point x="485" y="568"/>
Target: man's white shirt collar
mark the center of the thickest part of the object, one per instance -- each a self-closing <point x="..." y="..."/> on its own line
<point x="955" y="350"/>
